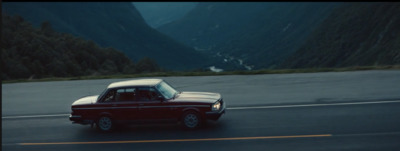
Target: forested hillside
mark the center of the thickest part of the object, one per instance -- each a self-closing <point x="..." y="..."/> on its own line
<point x="357" y="34"/>
<point x="160" y="13"/>
<point x="210" y="23"/>
<point x="110" y="24"/>
<point x="28" y="52"/>
<point x="249" y="34"/>
<point x="59" y="39"/>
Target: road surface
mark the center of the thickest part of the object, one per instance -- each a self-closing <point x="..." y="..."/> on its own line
<point x="313" y="111"/>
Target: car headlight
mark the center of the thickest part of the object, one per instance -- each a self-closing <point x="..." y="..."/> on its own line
<point x="216" y="106"/>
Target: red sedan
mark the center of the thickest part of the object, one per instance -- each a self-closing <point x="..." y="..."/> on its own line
<point x="146" y="100"/>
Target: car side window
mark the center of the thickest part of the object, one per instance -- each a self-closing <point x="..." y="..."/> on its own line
<point x="110" y="96"/>
<point x="126" y="94"/>
<point x="147" y="94"/>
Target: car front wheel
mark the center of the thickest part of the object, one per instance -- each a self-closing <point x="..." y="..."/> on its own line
<point x="191" y="120"/>
<point x="105" y="123"/>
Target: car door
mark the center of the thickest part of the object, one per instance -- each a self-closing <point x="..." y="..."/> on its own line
<point x="125" y="106"/>
<point x="151" y="107"/>
<point x="105" y="105"/>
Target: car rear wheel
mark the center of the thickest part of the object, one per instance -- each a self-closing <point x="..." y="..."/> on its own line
<point x="191" y="120"/>
<point x="105" y="123"/>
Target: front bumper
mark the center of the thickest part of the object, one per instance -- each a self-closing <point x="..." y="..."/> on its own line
<point x="215" y="115"/>
<point x="79" y="120"/>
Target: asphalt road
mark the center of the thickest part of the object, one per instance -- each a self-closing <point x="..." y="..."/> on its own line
<point x="37" y="98"/>
<point x="317" y="111"/>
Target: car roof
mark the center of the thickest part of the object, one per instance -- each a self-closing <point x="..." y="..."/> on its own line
<point x="136" y="82"/>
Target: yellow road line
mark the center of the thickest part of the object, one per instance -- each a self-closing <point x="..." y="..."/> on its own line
<point x="178" y="140"/>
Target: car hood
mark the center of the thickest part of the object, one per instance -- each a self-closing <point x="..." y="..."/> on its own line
<point x="204" y="97"/>
<point x="86" y="100"/>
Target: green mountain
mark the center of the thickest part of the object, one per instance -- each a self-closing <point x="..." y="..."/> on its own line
<point x="159" y="13"/>
<point x="250" y="35"/>
<point x="356" y="34"/>
<point x="28" y="52"/>
<point x="110" y="24"/>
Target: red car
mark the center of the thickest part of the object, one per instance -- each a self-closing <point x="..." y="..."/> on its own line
<point x="146" y="100"/>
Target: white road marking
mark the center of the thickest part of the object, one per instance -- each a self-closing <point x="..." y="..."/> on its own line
<point x="34" y="116"/>
<point x="310" y="105"/>
<point x="232" y="108"/>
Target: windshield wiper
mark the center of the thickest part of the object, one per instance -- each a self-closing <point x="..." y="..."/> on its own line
<point x="175" y="94"/>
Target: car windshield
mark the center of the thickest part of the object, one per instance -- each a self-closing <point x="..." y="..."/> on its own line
<point x="102" y="94"/>
<point x="166" y="90"/>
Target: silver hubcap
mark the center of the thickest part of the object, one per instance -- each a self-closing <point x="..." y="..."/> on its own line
<point x="105" y="123"/>
<point x="191" y="120"/>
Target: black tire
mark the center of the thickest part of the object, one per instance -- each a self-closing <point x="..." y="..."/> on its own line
<point x="105" y="123"/>
<point x="191" y="120"/>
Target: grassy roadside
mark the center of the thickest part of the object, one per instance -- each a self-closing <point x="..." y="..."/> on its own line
<point x="209" y="73"/>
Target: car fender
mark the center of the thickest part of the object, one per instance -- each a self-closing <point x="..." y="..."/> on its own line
<point x="193" y="109"/>
<point x="105" y="114"/>
<point x="190" y="108"/>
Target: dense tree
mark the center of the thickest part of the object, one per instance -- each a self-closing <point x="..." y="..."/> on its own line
<point x="147" y="65"/>
<point x="355" y="34"/>
<point x="27" y="52"/>
<point x="109" y="24"/>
